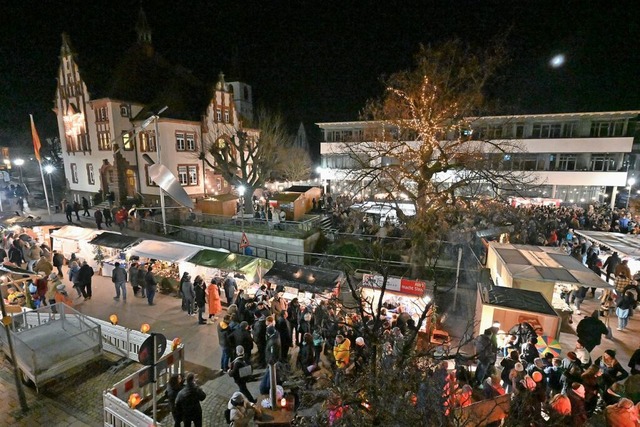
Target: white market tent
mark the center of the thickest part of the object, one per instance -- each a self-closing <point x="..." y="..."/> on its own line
<point x="71" y="239"/>
<point x="625" y="244"/>
<point x="171" y="251"/>
<point x="538" y="268"/>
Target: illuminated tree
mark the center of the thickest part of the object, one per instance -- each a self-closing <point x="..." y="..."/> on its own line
<point x="249" y="157"/>
<point x="299" y="166"/>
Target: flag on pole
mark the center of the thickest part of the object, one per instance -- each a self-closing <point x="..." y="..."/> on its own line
<point x="36" y="139"/>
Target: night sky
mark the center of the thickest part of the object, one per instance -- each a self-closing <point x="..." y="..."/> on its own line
<point x="321" y="60"/>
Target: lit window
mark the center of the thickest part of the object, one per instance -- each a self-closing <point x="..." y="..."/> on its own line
<point x="147" y="141"/>
<point x="193" y="175"/>
<point x="127" y="141"/>
<point x="191" y="142"/>
<point x="218" y="115"/>
<point x="183" y="175"/>
<point x="180" y="142"/>
<point x="90" y="175"/>
<point x="226" y="116"/>
<point x="74" y="173"/>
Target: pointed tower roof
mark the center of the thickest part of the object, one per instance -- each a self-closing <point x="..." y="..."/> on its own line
<point x="221" y="85"/>
<point x="65" y="50"/>
<point x="142" y="28"/>
<point x="301" y="140"/>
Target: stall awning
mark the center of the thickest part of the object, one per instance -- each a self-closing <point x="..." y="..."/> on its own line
<point x="210" y="258"/>
<point x="71" y="232"/>
<point x="303" y="277"/>
<point x="625" y="244"/>
<point x="171" y="251"/>
<point x="225" y="260"/>
<point x="114" y="240"/>
<point x="517" y="299"/>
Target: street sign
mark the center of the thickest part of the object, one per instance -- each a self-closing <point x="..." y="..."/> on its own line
<point x="244" y="242"/>
<point x="145" y="354"/>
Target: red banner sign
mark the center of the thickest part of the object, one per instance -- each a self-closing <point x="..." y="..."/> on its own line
<point x="395" y="284"/>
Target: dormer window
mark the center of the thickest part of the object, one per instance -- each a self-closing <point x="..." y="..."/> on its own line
<point x="125" y="110"/>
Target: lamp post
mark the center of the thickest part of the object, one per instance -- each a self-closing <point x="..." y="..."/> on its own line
<point x="50" y="169"/>
<point x="241" y="191"/>
<point x="630" y="181"/>
<point x="19" y="163"/>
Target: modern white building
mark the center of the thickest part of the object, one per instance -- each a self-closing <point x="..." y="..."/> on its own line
<point x="576" y="157"/>
<point x="104" y="142"/>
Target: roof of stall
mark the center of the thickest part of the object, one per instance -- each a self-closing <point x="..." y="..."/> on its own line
<point x="304" y="277"/>
<point x="110" y="239"/>
<point x="545" y="264"/>
<point x="170" y="251"/>
<point x="625" y="244"/>
<point x="517" y="299"/>
<point x="71" y="232"/>
<point x="224" y="260"/>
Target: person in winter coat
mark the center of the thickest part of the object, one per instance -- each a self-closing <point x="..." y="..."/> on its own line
<point x="150" y="285"/>
<point x="612" y="372"/>
<point x="35" y="253"/>
<point x="230" y="288"/>
<point x="188" y="402"/>
<point x="241" y="410"/>
<point x="272" y="349"/>
<point x="575" y="393"/>
<point x="200" y="298"/>
<point x="278" y="304"/>
<point x="85" y="207"/>
<point x="293" y="315"/>
<point x="84" y="275"/>
<point x="622" y="414"/>
<point x="224" y="340"/>
<point x="134" y="270"/>
<point x="68" y="211"/>
<point x="241" y="336"/>
<point x="108" y="218"/>
<point x="590" y="331"/>
<point x="259" y="333"/>
<point x="610" y="265"/>
<point x="624" y="308"/>
<point x="188" y="293"/>
<point x="58" y="261"/>
<point x="119" y="279"/>
<point x="213" y="298"/>
<point x="43" y="265"/>
<point x="52" y="282"/>
<point x="284" y="330"/>
<point x="529" y="351"/>
<point x="234" y="372"/>
<point x="97" y="215"/>
<point x="174" y="386"/>
<point x="74" y="269"/>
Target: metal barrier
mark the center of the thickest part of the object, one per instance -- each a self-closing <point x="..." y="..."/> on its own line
<point x="124" y="341"/>
<point x="116" y="409"/>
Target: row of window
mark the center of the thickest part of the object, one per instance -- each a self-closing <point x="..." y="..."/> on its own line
<point x="188" y="175"/>
<point x="573" y="129"/>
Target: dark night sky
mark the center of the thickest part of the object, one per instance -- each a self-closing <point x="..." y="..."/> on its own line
<point x="321" y="60"/>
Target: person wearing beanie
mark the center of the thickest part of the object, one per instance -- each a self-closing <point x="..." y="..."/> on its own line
<point x="560" y="405"/>
<point x="612" y="372"/>
<point x="239" y="375"/>
<point x="241" y="410"/>
<point x="575" y="393"/>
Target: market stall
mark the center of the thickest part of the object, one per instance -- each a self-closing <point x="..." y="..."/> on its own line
<point x="627" y="245"/>
<point x="539" y="268"/>
<point x="305" y="282"/>
<point x="510" y="306"/>
<point x="108" y="248"/>
<point x="218" y="262"/>
<point x="168" y="260"/>
<point x="74" y="240"/>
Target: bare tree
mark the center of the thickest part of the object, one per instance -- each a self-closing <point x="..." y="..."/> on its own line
<point x="298" y="168"/>
<point x="249" y="157"/>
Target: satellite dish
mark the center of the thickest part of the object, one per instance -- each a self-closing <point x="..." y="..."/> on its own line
<point x="169" y="184"/>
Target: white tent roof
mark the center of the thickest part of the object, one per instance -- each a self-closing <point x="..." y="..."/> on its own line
<point x="71" y="232"/>
<point x="546" y="264"/>
<point x="626" y="244"/>
<point x="171" y="251"/>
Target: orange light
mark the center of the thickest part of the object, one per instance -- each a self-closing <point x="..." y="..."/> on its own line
<point x="283" y="403"/>
<point x="134" y="400"/>
<point x="113" y="319"/>
<point x="145" y="328"/>
<point x="175" y="343"/>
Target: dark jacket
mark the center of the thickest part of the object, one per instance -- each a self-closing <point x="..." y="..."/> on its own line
<point x="85" y="274"/>
<point x="259" y="330"/>
<point x="58" y="259"/>
<point x="150" y="280"/>
<point x="590" y="331"/>
<point x="188" y="293"/>
<point x="611" y="375"/>
<point x="15" y="256"/>
<point x="273" y="348"/>
<point x="242" y="337"/>
<point x="200" y="295"/>
<point x="188" y="401"/>
<point x="224" y="333"/>
<point x="119" y="275"/>
<point x="234" y="372"/>
<point x="284" y="329"/>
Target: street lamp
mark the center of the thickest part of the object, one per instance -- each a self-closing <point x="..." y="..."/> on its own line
<point x="19" y="163"/>
<point x="241" y="191"/>
<point x="50" y="169"/>
<point x="630" y="181"/>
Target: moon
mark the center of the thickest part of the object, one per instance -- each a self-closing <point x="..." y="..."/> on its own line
<point x="557" y="61"/>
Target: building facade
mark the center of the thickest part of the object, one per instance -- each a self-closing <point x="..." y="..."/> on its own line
<point x="576" y="157"/>
<point x="108" y="135"/>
